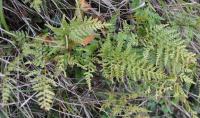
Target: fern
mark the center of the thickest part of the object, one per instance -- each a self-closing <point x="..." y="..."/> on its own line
<point x="20" y="37"/>
<point x="80" y="29"/>
<point x="43" y="86"/>
<point x="77" y="30"/>
<point x="6" y="90"/>
<point x="162" y="61"/>
<point x="85" y="60"/>
<point x="88" y="76"/>
<point x="170" y="50"/>
<point x="35" y="50"/>
<point x="121" y="61"/>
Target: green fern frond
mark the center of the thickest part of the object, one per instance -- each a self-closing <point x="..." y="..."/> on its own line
<point x="43" y="86"/>
<point x="6" y="90"/>
<point x="186" y="79"/>
<point x="78" y="29"/>
<point x="170" y="49"/>
<point x="20" y="37"/>
<point x="140" y="68"/>
<point x="121" y="61"/>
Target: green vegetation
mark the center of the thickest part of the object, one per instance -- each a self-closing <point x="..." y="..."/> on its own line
<point x="108" y="59"/>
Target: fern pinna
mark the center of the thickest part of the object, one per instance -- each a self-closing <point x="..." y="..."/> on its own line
<point x="6" y="90"/>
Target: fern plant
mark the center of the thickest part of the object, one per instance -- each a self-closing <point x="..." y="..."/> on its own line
<point x="167" y="50"/>
<point x="72" y="35"/>
<point x="161" y="58"/>
<point x="122" y="61"/>
<point x="170" y="49"/>
<point x="32" y="54"/>
<point x="43" y="86"/>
